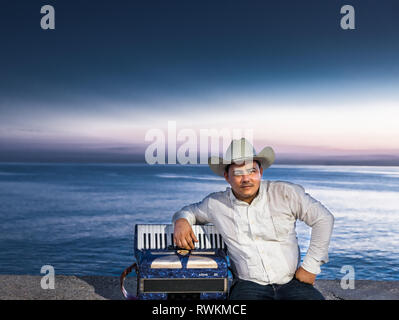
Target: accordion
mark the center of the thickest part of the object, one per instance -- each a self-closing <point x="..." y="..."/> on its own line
<point x="168" y="273"/>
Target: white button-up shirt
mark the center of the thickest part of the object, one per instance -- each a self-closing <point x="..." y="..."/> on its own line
<point x="261" y="237"/>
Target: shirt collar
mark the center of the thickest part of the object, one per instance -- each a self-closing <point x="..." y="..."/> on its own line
<point x="258" y="198"/>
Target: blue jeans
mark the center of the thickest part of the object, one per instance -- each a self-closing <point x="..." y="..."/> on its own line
<point x="293" y="290"/>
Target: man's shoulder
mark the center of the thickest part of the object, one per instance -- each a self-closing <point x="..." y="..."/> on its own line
<point x="282" y="186"/>
<point x="218" y="195"/>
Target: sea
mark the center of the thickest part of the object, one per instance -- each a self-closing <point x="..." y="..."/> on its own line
<point x="80" y="218"/>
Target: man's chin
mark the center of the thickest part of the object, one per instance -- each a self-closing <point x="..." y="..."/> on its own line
<point x="248" y="194"/>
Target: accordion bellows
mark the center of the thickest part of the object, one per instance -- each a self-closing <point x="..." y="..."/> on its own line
<point x="164" y="272"/>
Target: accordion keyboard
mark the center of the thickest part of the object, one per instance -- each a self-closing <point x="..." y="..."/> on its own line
<point x="160" y="236"/>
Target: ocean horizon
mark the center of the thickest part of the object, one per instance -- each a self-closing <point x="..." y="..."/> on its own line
<point x="80" y="217"/>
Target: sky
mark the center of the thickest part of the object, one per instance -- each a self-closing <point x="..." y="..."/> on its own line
<point x="111" y="71"/>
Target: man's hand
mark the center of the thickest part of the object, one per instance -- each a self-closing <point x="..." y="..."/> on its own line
<point x="183" y="235"/>
<point x="304" y="276"/>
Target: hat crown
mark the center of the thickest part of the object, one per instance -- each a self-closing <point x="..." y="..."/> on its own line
<point x="239" y="149"/>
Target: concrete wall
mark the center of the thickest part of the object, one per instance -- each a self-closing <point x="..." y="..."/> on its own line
<point x="26" y="287"/>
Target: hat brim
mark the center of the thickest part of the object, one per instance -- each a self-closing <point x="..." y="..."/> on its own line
<point x="266" y="158"/>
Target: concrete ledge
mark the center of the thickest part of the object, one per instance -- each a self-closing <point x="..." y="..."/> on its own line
<point x="24" y="287"/>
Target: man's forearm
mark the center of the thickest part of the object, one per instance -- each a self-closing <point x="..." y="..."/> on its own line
<point x="320" y="239"/>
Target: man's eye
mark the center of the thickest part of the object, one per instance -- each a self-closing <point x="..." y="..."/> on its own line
<point x="246" y="172"/>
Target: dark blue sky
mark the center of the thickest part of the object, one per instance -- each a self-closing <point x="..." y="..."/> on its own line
<point x="168" y="59"/>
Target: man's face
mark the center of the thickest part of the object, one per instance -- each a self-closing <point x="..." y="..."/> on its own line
<point x="244" y="180"/>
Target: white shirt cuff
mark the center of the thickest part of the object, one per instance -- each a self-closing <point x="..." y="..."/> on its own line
<point x="311" y="265"/>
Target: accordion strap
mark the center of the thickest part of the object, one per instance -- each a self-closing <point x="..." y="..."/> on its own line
<point x="124" y="274"/>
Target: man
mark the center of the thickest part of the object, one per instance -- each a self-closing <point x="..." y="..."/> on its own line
<point x="257" y="221"/>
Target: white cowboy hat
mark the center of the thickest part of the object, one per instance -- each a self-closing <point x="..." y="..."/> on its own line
<point x="239" y="152"/>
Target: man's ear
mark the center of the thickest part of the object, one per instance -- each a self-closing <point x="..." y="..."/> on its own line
<point x="261" y="171"/>
<point x="226" y="176"/>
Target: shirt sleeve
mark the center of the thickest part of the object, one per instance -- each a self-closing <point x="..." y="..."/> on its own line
<point x="319" y="218"/>
<point x="196" y="213"/>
